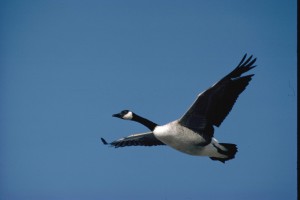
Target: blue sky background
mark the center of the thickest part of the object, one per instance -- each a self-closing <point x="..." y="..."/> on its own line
<point x="67" y="66"/>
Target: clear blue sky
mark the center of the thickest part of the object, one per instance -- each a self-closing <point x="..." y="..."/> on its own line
<point x="67" y="66"/>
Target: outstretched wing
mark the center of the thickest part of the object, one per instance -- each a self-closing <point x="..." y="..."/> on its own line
<point x="213" y="105"/>
<point x="141" y="139"/>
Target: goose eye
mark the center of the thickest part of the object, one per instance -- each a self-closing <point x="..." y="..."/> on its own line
<point x="124" y="112"/>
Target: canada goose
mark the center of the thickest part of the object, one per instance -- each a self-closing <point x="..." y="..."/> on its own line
<point x="193" y="132"/>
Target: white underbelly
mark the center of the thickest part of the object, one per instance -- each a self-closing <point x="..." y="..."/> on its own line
<point x="180" y="138"/>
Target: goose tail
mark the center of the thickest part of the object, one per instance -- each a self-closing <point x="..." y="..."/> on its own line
<point x="226" y="149"/>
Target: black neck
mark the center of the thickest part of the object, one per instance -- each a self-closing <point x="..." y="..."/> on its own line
<point x="149" y="124"/>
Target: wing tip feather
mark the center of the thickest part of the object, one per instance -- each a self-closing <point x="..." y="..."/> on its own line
<point x="104" y="141"/>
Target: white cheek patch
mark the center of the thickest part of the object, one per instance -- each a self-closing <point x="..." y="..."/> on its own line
<point x="128" y="116"/>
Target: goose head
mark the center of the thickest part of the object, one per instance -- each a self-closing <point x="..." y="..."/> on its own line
<point x="124" y="114"/>
<point x="129" y="115"/>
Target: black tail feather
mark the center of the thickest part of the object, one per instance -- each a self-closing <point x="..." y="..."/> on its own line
<point x="230" y="153"/>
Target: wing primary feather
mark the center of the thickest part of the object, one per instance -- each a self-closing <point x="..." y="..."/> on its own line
<point x="104" y="141"/>
<point x="242" y="60"/>
<point x="251" y="63"/>
<point x="242" y="67"/>
<point x="248" y="60"/>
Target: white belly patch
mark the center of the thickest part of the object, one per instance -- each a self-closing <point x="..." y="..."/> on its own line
<point x="180" y="138"/>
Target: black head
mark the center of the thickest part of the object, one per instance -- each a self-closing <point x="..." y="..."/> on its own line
<point x="124" y="114"/>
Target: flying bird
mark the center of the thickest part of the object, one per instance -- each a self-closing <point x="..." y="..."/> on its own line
<point x="193" y="133"/>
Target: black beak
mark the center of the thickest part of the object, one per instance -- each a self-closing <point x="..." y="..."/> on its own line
<point x="117" y="115"/>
